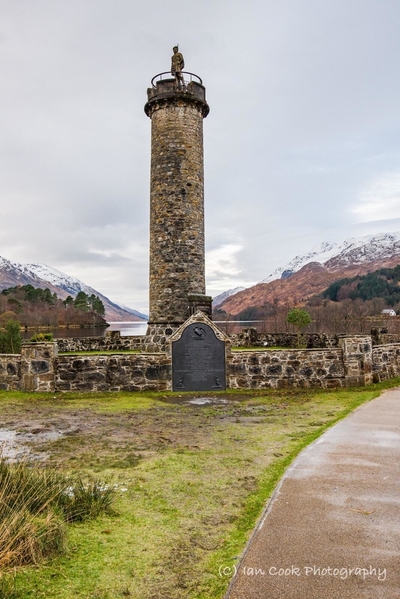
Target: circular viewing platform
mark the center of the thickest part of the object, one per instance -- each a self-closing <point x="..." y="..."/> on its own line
<point x="165" y="88"/>
<point x="191" y="77"/>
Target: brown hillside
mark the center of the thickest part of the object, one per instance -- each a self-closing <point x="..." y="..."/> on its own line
<point x="310" y="280"/>
<point x="12" y="278"/>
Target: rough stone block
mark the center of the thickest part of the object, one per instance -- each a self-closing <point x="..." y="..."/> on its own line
<point x="11" y="369"/>
<point x="40" y="366"/>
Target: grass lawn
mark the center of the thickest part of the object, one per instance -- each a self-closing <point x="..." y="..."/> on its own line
<point x="191" y="481"/>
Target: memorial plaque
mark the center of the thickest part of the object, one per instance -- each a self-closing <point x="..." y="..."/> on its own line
<point x="198" y="360"/>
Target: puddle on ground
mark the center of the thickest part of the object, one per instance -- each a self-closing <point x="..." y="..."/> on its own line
<point x="16" y="444"/>
<point x="209" y="400"/>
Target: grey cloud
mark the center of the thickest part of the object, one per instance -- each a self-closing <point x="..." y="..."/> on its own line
<point x="304" y="118"/>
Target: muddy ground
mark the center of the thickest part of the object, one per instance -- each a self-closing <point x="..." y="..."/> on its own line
<point x="55" y="432"/>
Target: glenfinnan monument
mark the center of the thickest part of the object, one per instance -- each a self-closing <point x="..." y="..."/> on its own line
<point x="177" y="106"/>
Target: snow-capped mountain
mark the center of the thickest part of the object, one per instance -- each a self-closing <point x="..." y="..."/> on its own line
<point x="320" y="253"/>
<point x="218" y="299"/>
<point x="42" y="275"/>
<point x="362" y="250"/>
<point x="56" y="277"/>
<point x="352" y="251"/>
<point x="309" y="274"/>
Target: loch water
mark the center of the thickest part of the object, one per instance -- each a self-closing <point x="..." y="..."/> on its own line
<point x="139" y="328"/>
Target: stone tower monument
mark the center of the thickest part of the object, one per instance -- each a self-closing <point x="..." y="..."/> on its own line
<point x="177" y="108"/>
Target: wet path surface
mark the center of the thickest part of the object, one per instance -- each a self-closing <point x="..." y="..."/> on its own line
<point x="332" y="529"/>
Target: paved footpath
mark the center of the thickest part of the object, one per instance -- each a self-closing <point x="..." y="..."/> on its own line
<point x="332" y="528"/>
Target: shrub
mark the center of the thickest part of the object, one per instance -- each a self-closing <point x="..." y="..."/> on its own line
<point x="41" y="337"/>
<point x="299" y="318"/>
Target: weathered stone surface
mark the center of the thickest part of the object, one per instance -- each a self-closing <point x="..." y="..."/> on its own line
<point x="251" y="337"/>
<point x="380" y="336"/>
<point x="114" y="373"/>
<point x="38" y="368"/>
<point x="157" y="336"/>
<point x="285" y="368"/>
<point x="386" y="362"/>
<point x="357" y="359"/>
<point x="176" y="202"/>
<point x="111" y="342"/>
<point x="10" y="372"/>
<point x="12" y="369"/>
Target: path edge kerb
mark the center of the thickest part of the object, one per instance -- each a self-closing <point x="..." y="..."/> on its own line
<point x="273" y="497"/>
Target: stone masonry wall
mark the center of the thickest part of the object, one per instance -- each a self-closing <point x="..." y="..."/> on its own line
<point x="111" y="342"/>
<point x="10" y="372"/>
<point x="285" y="368"/>
<point x="379" y="337"/>
<point x="355" y="362"/>
<point x="386" y="362"/>
<point x="145" y="372"/>
<point x="157" y="336"/>
<point x="251" y="337"/>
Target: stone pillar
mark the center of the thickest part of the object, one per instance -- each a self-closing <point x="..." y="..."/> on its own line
<point x="177" y="270"/>
<point x="38" y="366"/>
<point x="357" y="358"/>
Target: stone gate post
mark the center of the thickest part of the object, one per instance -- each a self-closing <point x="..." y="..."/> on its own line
<point x="357" y="358"/>
<point x="38" y="366"/>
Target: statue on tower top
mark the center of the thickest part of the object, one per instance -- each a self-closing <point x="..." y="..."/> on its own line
<point x="177" y="65"/>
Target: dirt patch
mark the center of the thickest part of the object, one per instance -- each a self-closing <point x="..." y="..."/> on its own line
<point x="84" y="437"/>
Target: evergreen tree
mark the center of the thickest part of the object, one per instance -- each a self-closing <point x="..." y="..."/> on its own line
<point x="11" y="339"/>
<point x="97" y="305"/>
<point x="81" y="301"/>
<point x="69" y="301"/>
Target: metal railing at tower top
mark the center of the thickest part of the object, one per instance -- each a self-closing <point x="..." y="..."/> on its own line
<point x="192" y="77"/>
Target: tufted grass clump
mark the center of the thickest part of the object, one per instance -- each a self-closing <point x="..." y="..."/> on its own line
<point x="36" y="504"/>
<point x="31" y="527"/>
<point x="87" y="500"/>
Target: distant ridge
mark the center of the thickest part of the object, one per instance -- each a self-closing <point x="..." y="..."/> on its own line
<point x="311" y="273"/>
<point x="352" y="251"/>
<point x="42" y="275"/>
<point x="218" y="299"/>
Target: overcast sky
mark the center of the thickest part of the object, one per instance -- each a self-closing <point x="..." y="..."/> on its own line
<point x="302" y="143"/>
